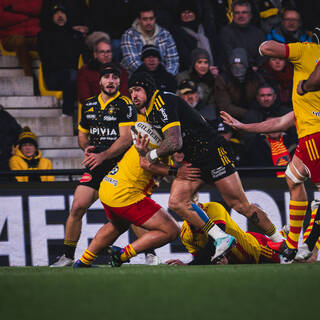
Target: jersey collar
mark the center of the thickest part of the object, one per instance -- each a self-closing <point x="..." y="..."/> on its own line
<point x="103" y="105"/>
<point x="148" y="110"/>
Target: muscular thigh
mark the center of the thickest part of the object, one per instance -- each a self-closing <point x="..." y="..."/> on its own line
<point x="84" y="196"/>
<point x="183" y="190"/>
<point x="161" y="220"/>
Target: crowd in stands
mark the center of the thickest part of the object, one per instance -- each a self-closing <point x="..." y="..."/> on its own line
<point x="206" y="51"/>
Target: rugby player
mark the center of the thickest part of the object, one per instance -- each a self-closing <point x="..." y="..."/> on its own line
<point x="306" y="114"/>
<point x="251" y="247"/>
<point x="124" y="193"/>
<point x="104" y="135"/>
<point x="185" y="130"/>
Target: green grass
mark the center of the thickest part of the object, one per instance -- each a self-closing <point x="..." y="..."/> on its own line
<point x="162" y="292"/>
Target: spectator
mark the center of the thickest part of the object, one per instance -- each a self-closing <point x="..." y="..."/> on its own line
<point x="191" y="33"/>
<point x="28" y="157"/>
<point x="59" y="48"/>
<point x="78" y="17"/>
<point x="88" y="79"/>
<point x="290" y="29"/>
<point x="240" y="84"/>
<point x="205" y="76"/>
<point x="265" y="106"/>
<point x="242" y="34"/>
<point x="310" y="12"/>
<point x="189" y="93"/>
<point x="19" y="26"/>
<point x="144" y="31"/>
<point x="9" y="132"/>
<point x="273" y="149"/>
<point x="279" y="73"/>
<point x="113" y="18"/>
<point x="151" y="63"/>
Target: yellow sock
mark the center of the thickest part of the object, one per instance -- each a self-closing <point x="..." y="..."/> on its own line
<point x="88" y="257"/>
<point x="308" y="230"/>
<point x="128" y="253"/>
<point x="297" y="211"/>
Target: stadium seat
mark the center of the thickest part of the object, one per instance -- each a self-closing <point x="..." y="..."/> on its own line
<point x="4" y="52"/>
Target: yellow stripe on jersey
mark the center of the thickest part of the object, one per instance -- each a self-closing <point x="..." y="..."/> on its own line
<point x="103" y="104"/>
<point x="170" y="125"/>
<point x="160" y="100"/>
<point x="157" y="105"/>
<point x="124" y="124"/>
<point x="82" y="129"/>
<point x="126" y="99"/>
<point x="148" y="110"/>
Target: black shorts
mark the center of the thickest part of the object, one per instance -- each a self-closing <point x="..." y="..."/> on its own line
<point x="92" y="178"/>
<point x="217" y="163"/>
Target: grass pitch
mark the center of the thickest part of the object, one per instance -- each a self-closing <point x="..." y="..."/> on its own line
<point x="161" y="292"/>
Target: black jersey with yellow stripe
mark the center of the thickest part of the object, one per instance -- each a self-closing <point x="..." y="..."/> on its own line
<point x="102" y="120"/>
<point x="167" y="110"/>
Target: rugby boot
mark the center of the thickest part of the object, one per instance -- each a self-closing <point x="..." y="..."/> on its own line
<point x="63" y="261"/>
<point x="223" y="245"/>
<point x="287" y="254"/>
<point x="80" y="264"/>
<point x="303" y="253"/>
<point x="115" y="253"/>
<point x="152" y="260"/>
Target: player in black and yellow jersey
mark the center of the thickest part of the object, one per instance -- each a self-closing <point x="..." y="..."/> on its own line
<point x="104" y="135"/>
<point x="184" y="129"/>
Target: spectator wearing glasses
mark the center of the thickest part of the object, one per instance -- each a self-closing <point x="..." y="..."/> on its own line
<point x="242" y="34"/>
<point x="290" y="29"/>
<point x="88" y="80"/>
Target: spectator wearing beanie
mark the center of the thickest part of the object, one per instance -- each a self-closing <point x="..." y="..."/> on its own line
<point x="28" y="157"/>
<point x="152" y="64"/>
<point x="205" y="76"/>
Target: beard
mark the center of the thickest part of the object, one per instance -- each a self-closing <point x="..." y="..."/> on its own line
<point x="109" y="91"/>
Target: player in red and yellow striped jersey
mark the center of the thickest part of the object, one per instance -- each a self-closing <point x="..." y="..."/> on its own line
<point x="306" y="114"/>
<point x="251" y="247"/>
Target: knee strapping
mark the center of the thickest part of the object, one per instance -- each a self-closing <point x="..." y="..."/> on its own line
<point x="291" y="175"/>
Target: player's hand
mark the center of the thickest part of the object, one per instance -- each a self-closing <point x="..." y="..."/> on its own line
<point x="88" y="150"/>
<point x="299" y="89"/>
<point x="92" y="160"/>
<point x="231" y="121"/>
<point x="175" y="262"/>
<point x="187" y="172"/>
<point x="141" y="144"/>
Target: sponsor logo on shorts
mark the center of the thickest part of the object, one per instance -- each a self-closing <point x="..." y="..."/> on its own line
<point x="110" y="180"/>
<point x="218" y="172"/>
<point x="86" y="177"/>
<point x="316" y="113"/>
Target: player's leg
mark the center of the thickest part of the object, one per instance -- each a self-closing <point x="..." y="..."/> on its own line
<point x="181" y="193"/>
<point x="84" y="197"/>
<point x="233" y="194"/>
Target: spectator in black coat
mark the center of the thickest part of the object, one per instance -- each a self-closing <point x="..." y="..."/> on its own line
<point x="151" y="63"/>
<point x="9" y="133"/>
<point x="59" y="47"/>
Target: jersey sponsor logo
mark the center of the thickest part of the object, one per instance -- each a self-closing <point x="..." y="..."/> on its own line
<point x="164" y="115"/>
<point x="129" y="114"/>
<point x="316" y="113"/>
<point x="91" y="116"/>
<point x="110" y="180"/>
<point x="91" y="103"/>
<point x="218" y="172"/>
<point x="109" y="118"/>
<point x="103" y="131"/>
<point x="86" y="177"/>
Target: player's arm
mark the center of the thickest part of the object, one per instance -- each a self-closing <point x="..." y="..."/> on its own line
<point x="124" y="141"/>
<point x="271" y="125"/>
<point x="311" y="84"/>
<point x="83" y="140"/>
<point x="273" y="49"/>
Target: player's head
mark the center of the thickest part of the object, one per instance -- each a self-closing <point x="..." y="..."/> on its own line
<point x="141" y="87"/>
<point x="109" y="79"/>
<point x="316" y="35"/>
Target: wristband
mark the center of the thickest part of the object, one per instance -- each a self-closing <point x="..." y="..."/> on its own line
<point x="261" y="45"/>
<point x="173" y="171"/>
<point x="302" y="87"/>
<point x="152" y="155"/>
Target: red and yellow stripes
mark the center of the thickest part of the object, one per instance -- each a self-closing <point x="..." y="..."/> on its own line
<point x="312" y="150"/>
<point x="127" y="253"/>
<point x="311" y="223"/>
<point x="88" y="257"/>
<point x="297" y="210"/>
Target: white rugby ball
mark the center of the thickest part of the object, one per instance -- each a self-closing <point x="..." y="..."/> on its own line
<point x="145" y="128"/>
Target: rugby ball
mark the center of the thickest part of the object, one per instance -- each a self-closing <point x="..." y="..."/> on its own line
<point x="145" y="128"/>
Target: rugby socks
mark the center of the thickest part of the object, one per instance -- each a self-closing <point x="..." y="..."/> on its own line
<point x="274" y="234"/>
<point x="311" y="235"/>
<point x="128" y="252"/>
<point x="297" y="211"/>
<point x="88" y="257"/>
<point x="69" y="248"/>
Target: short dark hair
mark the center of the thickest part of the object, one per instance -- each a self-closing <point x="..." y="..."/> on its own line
<point x="266" y="85"/>
<point x="145" y="7"/>
<point x="241" y="3"/>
